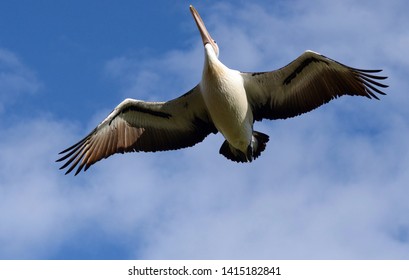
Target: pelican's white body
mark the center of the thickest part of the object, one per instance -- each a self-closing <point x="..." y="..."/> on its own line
<point x="226" y="100"/>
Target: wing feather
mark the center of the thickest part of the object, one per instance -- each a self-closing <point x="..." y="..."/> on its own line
<point x="136" y="125"/>
<point x="305" y="84"/>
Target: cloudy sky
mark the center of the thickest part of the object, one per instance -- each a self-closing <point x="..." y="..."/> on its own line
<point x="332" y="184"/>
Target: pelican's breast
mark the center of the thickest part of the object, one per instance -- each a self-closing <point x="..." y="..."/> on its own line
<point x="226" y="100"/>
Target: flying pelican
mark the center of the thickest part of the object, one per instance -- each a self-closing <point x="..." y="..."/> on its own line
<point x="226" y="101"/>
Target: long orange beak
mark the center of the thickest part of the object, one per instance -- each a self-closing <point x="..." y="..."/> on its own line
<point x="207" y="39"/>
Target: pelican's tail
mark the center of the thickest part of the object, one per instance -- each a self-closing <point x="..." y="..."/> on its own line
<point x="257" y="145"/>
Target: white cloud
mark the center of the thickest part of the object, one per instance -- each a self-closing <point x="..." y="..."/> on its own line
<point x="15" y="78"/>
<point x="157" y="78"/>
<point x="331" y="184"/>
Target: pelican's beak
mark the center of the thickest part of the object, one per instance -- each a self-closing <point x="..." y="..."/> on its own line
<point x="207" y="39"/>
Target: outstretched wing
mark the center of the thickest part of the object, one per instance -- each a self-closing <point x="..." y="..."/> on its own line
<point x="305" y="84"/>
<point x="136" y="125"/>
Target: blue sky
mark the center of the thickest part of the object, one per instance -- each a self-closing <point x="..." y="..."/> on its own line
<point x="332" y="184"/>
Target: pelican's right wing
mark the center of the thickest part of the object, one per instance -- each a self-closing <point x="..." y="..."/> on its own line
<point x="305" y="84"/>
<point x="136" y="125"/>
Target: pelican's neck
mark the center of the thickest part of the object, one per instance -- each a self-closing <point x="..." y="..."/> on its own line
<point x="212" y="66"/>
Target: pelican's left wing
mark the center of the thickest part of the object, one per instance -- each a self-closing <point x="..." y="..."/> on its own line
<point x="305" y="84"/>
<point x="136" y="125"/>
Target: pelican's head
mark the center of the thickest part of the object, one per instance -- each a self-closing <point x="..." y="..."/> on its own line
<point x="207" y="39"/>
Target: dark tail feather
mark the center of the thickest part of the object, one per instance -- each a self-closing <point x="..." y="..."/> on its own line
<point x="232" y="153"/>
<point x="257" y="145"/>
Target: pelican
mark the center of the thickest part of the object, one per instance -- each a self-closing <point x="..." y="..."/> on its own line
<point x="226" y="101"/>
